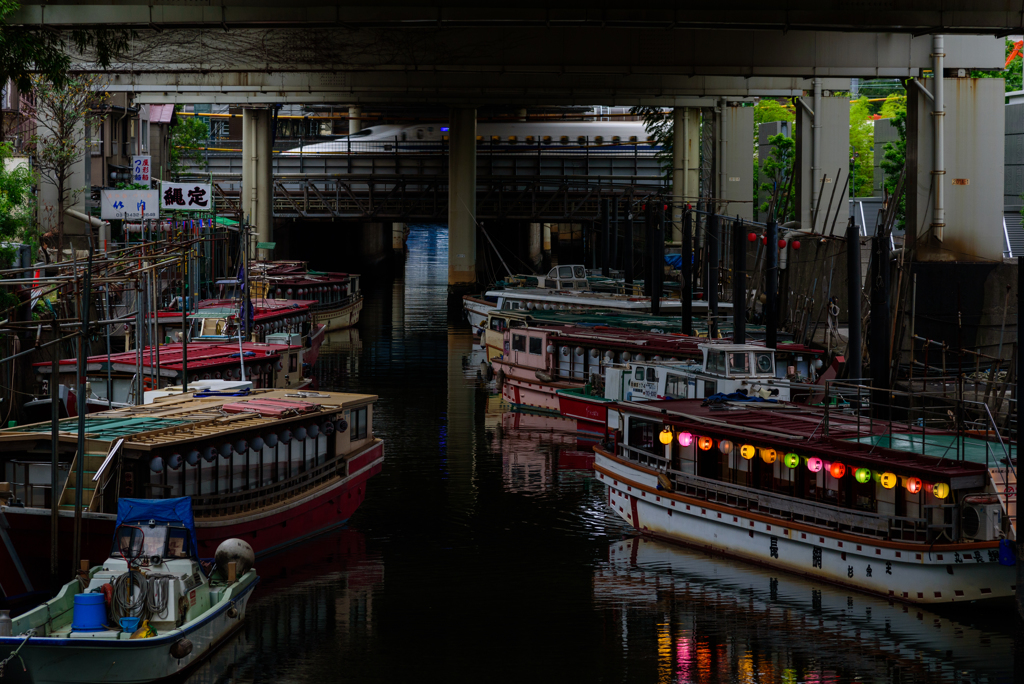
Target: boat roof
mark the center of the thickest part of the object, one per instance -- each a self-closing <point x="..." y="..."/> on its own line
<point x="200" y="355"/>
<point x="175" y="510"/>
<point x="590" y="298"/>
<point x="797" y="427"/>
<point x="182" y="420"/>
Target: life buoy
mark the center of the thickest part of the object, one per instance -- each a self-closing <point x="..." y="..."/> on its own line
<point x="147" y="383"/>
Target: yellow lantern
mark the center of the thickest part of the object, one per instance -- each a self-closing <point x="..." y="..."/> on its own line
<point x="888" y="480"/>
<point x="747" y="451"/>
<point x="768" y="455"/>
<point x="940" y="490"/>
<point x="666" y="436"/>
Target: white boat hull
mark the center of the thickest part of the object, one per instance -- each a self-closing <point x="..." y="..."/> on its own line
<point x="101" y="661"/>
<point x="905" y="572"/>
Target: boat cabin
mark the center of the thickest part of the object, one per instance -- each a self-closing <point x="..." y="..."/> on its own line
<point x="572" y="277"/>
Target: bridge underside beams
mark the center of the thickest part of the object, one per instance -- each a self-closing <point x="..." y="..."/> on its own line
<point x="951" y="16"/>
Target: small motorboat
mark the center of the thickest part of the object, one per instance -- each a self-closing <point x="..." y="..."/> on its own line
<point x="152" y="610"/>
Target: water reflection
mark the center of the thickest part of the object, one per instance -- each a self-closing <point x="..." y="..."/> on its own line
<point x="705" y="618"/>
<point x="485" y="550"/>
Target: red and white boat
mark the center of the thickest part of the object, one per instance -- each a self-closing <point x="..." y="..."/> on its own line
<point x="337" y="300"/>
<point x="272" y="469"/>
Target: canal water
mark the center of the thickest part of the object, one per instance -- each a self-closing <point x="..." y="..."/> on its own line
<point x="485" y="552"/>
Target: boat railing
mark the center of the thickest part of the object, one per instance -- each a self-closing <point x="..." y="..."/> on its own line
<point x="790" y="508"/>
<point x="929" y="423"/>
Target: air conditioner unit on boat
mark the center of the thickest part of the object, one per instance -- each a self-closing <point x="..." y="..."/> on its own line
<point x="981" y="520"/>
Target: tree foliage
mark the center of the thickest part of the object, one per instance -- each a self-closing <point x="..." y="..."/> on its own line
<point x="1011" y="74"/>
<point x="188" y="136"/>
<point x="17" y="203"/>
<point x="862" y="147"/>
<point x="25" y="50"/>
<point x="59" y="142"/>
<point x="658" y="123"/>
<point x="893" y="161"/>
<point x="776" y="171"/>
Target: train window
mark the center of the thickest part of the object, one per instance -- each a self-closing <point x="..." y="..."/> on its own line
<point x="616" y="139"/>
<point x="430" y="129"/>
<point x="444" y="138"/>
<point x="546" y="139"/>
<point x="512" y="140"/>
<point x="495" y="138"/>
<point x="403" y="135"/>
<point x="581" y="140"/>
<point x="650" y="138"/>
<point x="479" y="138"/>
<point x="632" y="138"/>
<point x="419" y="134"/>
<point x="599" y="140"/>
<point x="529" y="139"/>
<point x="564" y="140"/>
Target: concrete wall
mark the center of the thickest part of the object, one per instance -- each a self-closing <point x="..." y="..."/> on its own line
<point x="739" y="182"/>
<point x="973" y="180"/>
<point x="834" y="156"/>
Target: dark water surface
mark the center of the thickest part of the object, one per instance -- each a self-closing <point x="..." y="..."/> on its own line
<point x="485" y="552"/>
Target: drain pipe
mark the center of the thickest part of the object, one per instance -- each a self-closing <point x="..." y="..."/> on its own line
<point x="815" y="143"/>
<point x="723" y="143"/>
<point x="939" y="114"/>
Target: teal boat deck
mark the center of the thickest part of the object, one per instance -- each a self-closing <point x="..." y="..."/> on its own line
<point x="943" y="446"/>
<point x="105" y="428"/>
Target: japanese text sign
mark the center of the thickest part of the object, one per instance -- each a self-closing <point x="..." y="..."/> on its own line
<point x="186" y="196"/>
<point x="140" y="169"/>
<point x="129" y="204"/>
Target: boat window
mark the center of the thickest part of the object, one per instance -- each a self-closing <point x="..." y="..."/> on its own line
<point x="651" y="377"/>
<point x="358" y="423"/>
<point x="639" y="374"/>
<point x="513" y="323"/>
<point x="138" y="540"/>
<point x="716" y="361"/>
<point x="177" y="543"/>
<point x="565" y="284"/>
<point x="497" y="324"/>
<point x="565" y="271"/>
<point x="548" y="282"/>
<point x="535" y="345"/>
<point x="506" y="305"/>
<point x="675" y="386"/>
<point x="739" y="362"/>
<point x="710" y="387"/>
<point x="519" y="343"/>
<point x="643" y="435"/>
<point x="580" y="272"/>
<point x="765" y="363"/>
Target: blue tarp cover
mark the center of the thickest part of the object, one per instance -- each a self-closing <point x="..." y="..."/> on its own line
<point x="734" y="396"/>
<point x="674" y="260"/>
<point x="177" y="510"/>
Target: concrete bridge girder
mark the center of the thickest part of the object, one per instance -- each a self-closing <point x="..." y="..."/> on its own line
<point x="951" y="16"/>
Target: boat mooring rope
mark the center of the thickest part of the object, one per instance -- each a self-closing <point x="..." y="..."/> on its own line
<point x="3" y="663"/>
<point x="138" y="595"/>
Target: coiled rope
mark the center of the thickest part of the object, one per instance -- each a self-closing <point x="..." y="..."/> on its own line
<point x="138" y="595"/>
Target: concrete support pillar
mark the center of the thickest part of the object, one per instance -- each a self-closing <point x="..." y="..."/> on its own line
<point x="679" y="165"/>
<point x="258" y="174"/>
<point x="462" y="200"/>
<point x="535" y="250"/>
<point x="355" y="123"/>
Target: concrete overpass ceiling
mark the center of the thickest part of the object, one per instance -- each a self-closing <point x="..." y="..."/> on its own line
<point x="912" y="16"/>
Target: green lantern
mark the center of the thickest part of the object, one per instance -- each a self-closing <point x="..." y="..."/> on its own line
<point x="863" y="475"/>
<point x="791" y="460"/>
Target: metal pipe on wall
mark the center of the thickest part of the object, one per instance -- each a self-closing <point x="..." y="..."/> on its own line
<point x="854" y="353"/>
<point x="939" y="115"/>
<point x="816" y="118"/>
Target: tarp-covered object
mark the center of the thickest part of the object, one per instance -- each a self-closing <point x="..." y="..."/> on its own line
<point x="177" y="510"/>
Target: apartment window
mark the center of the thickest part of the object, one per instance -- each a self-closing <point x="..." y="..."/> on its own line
<point x="358" y="424"/>
<point x="144" y="132"/>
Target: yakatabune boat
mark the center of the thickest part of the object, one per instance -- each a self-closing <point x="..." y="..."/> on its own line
<point x="918" y="514"/>
<point x="166" y="612"/>
<point x="337" y="299"/>
<point x="271" y="469"/>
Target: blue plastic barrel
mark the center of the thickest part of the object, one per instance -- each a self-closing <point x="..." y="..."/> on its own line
<point x="89" y="614"/>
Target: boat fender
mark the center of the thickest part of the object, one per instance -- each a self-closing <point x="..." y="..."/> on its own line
<point x="543" y="377"/>
<point x="236" y="551"/>
<point x="181" y="648"/>
<point x="664" y="483"/>
<point x="501" y="378"/>
<point x="232" y="611"/>
<point x="108" y="592"/>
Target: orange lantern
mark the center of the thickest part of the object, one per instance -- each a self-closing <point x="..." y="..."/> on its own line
<point x="704" y="443"/>
<point x="837" y="470"/>
<point x="769" y="455"/>
<point x="914" y="485"/>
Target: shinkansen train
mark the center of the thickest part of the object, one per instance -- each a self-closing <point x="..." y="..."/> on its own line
<point x="567" y="134"/>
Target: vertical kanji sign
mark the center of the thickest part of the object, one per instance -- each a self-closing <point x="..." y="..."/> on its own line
<point x="140" y="169"/>
<point x="186" y="196"/>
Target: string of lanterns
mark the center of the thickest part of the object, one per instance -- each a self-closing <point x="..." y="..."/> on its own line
<point x="914" y="485"/>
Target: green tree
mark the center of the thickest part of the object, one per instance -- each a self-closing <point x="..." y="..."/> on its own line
<point x="776" y="171"/>
<point x="17" y="203"/>
<point x="59" y="141"/>
<point x="862" y="146"/>
<point x="188" y="138"/>
<point x="766" y="110"/>
<point x="25" y="50"/>
<point x="658" y="124"/>
<point x="1012" y="72"/>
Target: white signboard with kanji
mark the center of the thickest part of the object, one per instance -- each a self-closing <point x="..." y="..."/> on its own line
<point x="129" y="204"/>
<point x="140" y="168"/>
<point x="186" y="196"/>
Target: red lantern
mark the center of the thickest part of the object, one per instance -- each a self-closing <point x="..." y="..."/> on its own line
<point x="782" y="244"/>
<point x="764" y="239"/>
<point x="752" y="237"/>
<point x="837" y="470"/>
<point x="795" y="244"/>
